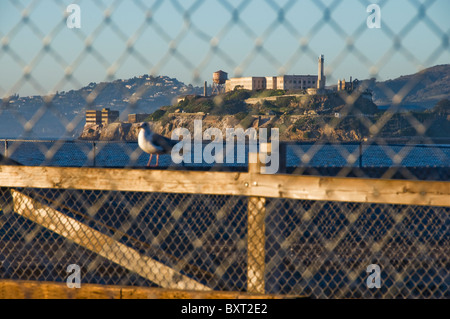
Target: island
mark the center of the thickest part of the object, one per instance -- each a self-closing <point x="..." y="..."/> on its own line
<point x="346" y="115"/>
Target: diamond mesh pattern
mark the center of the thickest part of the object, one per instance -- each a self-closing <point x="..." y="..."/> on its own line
<point x="229" y="243"/>
<point x="321" y="249"/>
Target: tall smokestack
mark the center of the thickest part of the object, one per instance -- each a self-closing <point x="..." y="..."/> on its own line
<point x="205" y="89"/>
<point x="320" y="75"/>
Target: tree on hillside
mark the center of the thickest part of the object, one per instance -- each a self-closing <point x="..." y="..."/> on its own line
<point x="442" y="108"/>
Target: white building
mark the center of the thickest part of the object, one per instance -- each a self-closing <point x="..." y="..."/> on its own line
<point x="251" y="83"/>
<point x="284" y="82"/>
<point x="296" y="82"/>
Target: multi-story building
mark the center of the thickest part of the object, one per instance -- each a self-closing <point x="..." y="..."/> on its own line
<point x="105" y="116"/>
<point x="284" y="82"/>
<point x="345" y="86"/>
<point x="109" y="116"/>
<point x="296" y="82"/>
<point x="93" y="117"/>
<point x="251" y="83"/>
<point x="271" y="82"/>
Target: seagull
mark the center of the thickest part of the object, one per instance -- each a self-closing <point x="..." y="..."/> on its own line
<point x="153" y="143"/>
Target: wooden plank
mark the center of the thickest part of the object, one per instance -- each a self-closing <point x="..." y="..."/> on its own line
<point x="403" y="192"/>
<point x="19" y="289"/>
<point x="256" y="239"/>
<point x="135" y="180"/>
<point x="101" y="244"/>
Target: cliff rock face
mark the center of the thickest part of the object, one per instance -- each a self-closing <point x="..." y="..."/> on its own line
<point x="128" y="132"/>
<point x="288" y="130"/>
<point x="112" y="132"/>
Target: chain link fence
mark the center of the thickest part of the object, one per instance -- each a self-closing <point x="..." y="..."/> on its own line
<point x="297" y="154"/>
<point x="314" y="248"/>
<point x="203" y="242"/>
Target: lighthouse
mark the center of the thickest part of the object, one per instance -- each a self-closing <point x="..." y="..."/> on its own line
<point x="320" y="76"/>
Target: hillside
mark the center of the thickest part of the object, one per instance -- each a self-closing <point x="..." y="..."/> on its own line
<point x="297" y="115"/>
<point x="427" y="87"/>
<point x="143" y="94"/>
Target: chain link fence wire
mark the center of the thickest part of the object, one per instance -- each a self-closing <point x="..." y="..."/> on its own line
<point x="320" y="249"/>
<point x="200" y="242"/>
<point x="192" y="28"/>
<point x="323" y="249"/>
<point x="171" y="232"/>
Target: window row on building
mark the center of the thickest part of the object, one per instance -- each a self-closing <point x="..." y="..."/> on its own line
<point x="105" y="116"/>
<point x="285" y="82"/>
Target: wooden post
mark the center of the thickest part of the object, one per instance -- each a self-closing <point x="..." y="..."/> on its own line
<point x="6" y="148"/>
<point x="255" y="233"/>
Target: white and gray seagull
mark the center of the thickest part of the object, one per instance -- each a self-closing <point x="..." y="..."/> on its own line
<point x="153" y="143"/>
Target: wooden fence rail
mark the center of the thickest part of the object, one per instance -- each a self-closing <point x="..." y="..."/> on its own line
<point x="257" y="187"/>
<point x="360" y="190"/>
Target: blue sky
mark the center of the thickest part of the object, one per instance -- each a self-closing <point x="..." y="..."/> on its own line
<point x="190" y="39"/>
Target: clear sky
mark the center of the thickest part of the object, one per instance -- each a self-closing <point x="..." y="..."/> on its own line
<point x="190" y="39"/>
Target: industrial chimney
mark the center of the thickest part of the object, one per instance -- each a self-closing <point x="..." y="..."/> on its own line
<point x="321" y="77"/>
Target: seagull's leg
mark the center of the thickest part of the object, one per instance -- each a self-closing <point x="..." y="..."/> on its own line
<point x="150" y="160"/>
<point x="157" y="159"/>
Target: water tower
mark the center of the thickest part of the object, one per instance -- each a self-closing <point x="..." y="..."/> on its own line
<point x="219" y="79"/>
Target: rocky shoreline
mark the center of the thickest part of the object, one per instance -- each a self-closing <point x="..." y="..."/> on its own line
<point x="122" y="131"/>
<point x="128" y="132"/>
<point x="110" y="132"/>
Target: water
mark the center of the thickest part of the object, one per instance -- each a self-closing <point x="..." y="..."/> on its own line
<point x="106" y="154"/>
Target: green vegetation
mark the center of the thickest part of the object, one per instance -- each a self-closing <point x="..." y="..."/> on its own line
<point x="404" y="124"/>
<point x="285" y="102"/>
<point x="442" y="108"/>
<point x="195" y="105"/>
<point x="311" y="116"/>
<point x="268" y="93"/>
<point x="241" y="115"/>
<point x="156" y="116"/>
<point x="226" y="104"/>
<point x="247" y="122"/>
<point x="237" y="95"/>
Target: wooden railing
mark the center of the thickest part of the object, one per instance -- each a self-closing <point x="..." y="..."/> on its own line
<point x="360" y="190"/>
<point x="257" y="187"/>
